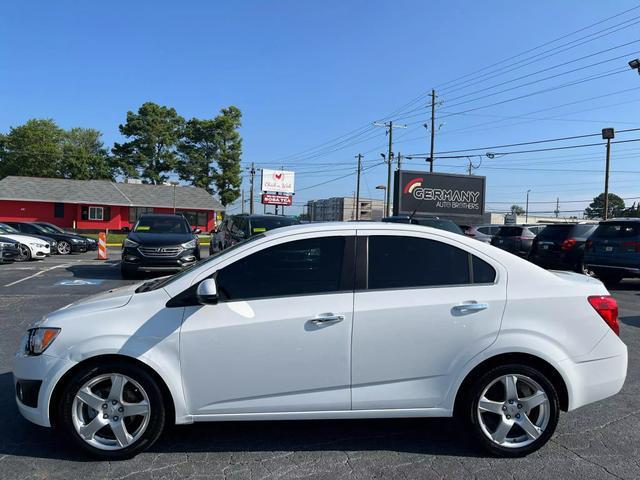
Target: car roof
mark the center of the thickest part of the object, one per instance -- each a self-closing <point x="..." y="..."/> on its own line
<point x="621" y="219"/>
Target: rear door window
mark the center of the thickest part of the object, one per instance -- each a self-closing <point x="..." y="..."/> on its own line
<point x="617" y="230"/>
<point x="555" y="233"/>
<point x="509" y="232"/>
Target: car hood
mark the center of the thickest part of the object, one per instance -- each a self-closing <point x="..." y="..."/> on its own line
<point x="160" y="238"/>
<point x="65" y="236"/>
<point x="109" y="300"/>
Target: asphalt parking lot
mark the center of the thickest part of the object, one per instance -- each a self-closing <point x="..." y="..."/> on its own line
<point x="597" y="441"/>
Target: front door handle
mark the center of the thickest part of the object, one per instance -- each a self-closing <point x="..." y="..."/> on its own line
<point x="470" y="307"/>
<point x="327" y="319"/>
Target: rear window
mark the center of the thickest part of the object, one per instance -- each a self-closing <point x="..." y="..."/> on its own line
<point x="556" y="232"/>
<point x="617" y="230"/>
<point x="509" y="232"/>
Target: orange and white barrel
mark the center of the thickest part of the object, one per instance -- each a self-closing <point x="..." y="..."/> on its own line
<point x="102" y="246"/>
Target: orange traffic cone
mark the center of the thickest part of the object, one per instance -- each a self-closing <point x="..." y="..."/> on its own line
<point x="102" y="246"/>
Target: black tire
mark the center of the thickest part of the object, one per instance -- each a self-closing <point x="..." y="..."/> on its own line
<point x="157" y="413"/>
<point x="609" y="279"/>
<point x="64" y="248"/>
<point x="128" y="273"/>
<point x="25" y="253"/>
<point x="472" y="417"/>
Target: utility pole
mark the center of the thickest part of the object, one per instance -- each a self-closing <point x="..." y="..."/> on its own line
<point x="526" y="211"/>
<point x="252" y="172"/>
<point x="557" y="210"/>
<point x="359" y="157"/>
<point x="433" y="127"/>
<point x="399" y="161"/>
<point x="243" y="200"/>
<point x="607" y="134"/>
<point x="389" y="160"/>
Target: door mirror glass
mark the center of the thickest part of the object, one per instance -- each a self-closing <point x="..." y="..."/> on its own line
<point x="207" y="292"/>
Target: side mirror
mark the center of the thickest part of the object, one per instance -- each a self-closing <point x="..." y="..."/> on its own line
<point x="197" y="231"/>
<point x="207" y="292"/>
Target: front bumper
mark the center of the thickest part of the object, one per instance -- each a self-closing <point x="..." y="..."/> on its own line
<point x="78" y="247"/>
<point x="133" y="259"/>
<point x="43" y="371"/>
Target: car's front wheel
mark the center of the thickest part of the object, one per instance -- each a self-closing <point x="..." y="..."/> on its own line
<point x="112" y="411"/>
<point x="64" y="248"/>
<point x="24" y="253"/>
<point x="513" y="410"/>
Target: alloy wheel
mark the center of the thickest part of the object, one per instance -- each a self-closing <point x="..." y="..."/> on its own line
<point x="64" y="248"/>
<point x="111" y="411"/>
<point x="24" y="253"/>
<point x="513" y="411"/>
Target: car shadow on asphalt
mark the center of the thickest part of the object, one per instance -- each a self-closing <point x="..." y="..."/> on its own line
<point x="411" y="435"/>
<point x="106" y="271"/>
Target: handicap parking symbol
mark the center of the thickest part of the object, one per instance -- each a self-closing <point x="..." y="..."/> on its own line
<point x="78" y="281"/>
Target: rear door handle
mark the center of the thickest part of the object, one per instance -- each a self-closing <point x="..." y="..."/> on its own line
<point x="327" y="319"/>
<point x="469" y="307"/>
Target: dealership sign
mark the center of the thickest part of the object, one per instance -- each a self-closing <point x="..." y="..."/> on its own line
<point x="273" y="199"/>
<point x="438" y="194"/>
<point x="277" y="181"/>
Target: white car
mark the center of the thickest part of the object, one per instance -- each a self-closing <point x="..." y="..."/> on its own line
<point x="328" y="321"/>
<point x="31" y="248"/>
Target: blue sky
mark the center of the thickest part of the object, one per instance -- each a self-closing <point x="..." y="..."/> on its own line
<point x="305" y="73"/>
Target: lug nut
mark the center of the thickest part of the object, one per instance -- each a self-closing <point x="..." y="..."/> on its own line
<point x="113" y="402"/>
<point x="105" y="416"/>
<point x="517" y="415"/>
<point x="508" y="416"/>
<point x="510" y="402"/>
<point x="121" y="409"/>
<point x="104" y="406"/>
<point x="519" y="405"/>
<point x="116" y="418"/>
<point x="504" y="408"/>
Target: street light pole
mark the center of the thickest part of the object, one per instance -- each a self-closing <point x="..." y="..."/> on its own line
<point x="526" y="211"/>
<point x="607" y="134"/>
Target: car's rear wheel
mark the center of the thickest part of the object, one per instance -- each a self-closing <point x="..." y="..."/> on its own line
<point x="24" y="254"/>
<point x="513" y="410"/>
<point x="64" y="248"/>
<point x="112" y="411"/>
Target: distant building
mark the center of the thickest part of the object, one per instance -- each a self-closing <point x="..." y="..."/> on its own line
<point x="343" y="209"/>
<point x="101" y="204"/>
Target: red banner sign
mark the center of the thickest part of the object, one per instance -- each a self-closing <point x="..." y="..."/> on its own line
<point x="272" y="199"/>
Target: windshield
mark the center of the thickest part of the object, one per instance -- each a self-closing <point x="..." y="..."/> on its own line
<point x="509" y="232"/>
<point x="162" y="282"/>
<point x="7" y="229"/>
<point x="162" y="225"/>
<point x="48" y="228"/>
<point x="262" y="224"/>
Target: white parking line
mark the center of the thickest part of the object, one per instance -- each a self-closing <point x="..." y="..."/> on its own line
<point x="37" y="273"/>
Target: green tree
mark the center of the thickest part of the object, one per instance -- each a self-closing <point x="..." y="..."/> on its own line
<point x="32" y="149"/>
<point x="517" y="210"/>
<point x="210" y="154"/>
<point x="615" y="208"/>
<point x="153" y="133"/>
<point x="85" y="156"/>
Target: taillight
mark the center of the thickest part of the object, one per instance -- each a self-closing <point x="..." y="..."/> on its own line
<point x="607" y="308"/>
<point x="631" y="246"/>
<point x="568" y="244"/>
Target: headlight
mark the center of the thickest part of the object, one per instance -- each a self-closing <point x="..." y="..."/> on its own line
<point x="5" y="244"/>
<point x="75" y="240"/>
<point x="189" y="244"/>
<point x="130" y="243"/>
<point x="39" y="245"/>
<point x="39" y="339"/>
<point x="90" y="240"/>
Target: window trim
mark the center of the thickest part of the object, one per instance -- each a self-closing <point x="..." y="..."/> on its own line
<point x="362" y="253"/>
<point x="95" y="209"/>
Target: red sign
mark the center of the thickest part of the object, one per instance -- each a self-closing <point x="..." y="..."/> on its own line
<point x="272" y="199"/>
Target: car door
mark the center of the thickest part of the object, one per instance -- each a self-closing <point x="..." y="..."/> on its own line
<point x="279" y="339"/>
<point x="425" y="307"/>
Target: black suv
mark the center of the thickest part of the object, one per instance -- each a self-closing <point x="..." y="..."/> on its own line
<point x="561" y="246"/>
<point x="516" y="239"/>
<point x="159" y="243"/>
<point x="236" y="228"/>
<point x="67" y="242"/>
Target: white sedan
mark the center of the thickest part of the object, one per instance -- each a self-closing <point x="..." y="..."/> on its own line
<point x="326" y="321"/>
<point x="31" y="248"/>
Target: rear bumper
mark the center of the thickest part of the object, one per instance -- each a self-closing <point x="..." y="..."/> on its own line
<point x="597" y="375"/>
